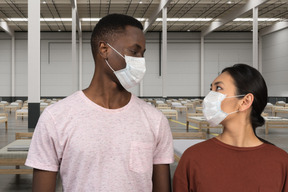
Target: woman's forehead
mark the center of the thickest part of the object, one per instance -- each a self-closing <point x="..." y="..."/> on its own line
<point x="224" y="78"/>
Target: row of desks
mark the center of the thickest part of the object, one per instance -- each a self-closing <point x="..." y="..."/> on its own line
<point x="270" y="122"/>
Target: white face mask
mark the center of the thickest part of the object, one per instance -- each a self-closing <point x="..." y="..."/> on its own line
<point x="133" y="73"/>
<point x="212" y="107"/>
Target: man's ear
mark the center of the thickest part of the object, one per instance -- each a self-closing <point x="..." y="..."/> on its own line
<point x="103" y="49"/>
<point x="246" y="102"/>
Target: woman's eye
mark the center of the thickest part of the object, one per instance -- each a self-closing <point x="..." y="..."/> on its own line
<point x="218" y="88"/>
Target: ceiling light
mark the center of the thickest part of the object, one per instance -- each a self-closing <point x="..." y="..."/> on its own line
<point x="185" y="19"/>
<point x="140" y="2"/>
<point x="144" y="19"/>
<point x="90" y="19"/>
<point x="259" y="19"/>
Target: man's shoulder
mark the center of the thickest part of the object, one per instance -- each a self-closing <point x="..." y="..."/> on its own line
<point x="65" y="104"/>
<point x="147" y="107"/>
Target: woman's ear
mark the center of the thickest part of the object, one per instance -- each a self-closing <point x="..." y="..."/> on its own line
<point x="246" y="102"/>
<point x="103" y="49"/>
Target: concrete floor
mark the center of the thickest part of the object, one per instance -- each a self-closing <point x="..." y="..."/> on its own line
<point x="11" y="183"/>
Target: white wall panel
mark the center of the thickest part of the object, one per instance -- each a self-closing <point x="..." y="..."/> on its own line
<point x="21" y="68"/>
<point x="224" y="54"/>
<point x="152" y="82"/>
<point x="60" y="78"/>
<point x="87" y="65"/>
<point x="58" y="75"/>
<point x="183" y="69"/>
<point x="5" y="68"/>
<point x="275" y="62"/>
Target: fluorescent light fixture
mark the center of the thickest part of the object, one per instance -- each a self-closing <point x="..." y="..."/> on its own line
<point x="55" y="19"/>
<point x="259" y="19"/>
<point x="41" y="19"/>
<point x="143" y="19"/>
<point x="185" y="19"/>
<point x="90" y="19"/>
<point x="17" y="19"/>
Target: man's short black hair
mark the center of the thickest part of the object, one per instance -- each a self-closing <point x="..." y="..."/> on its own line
<point x="110" y="25"/>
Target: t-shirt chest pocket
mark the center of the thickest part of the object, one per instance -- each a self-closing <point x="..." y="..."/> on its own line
<point x="141" y="157"/>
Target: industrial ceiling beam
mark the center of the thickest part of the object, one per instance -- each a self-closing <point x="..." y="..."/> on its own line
<point x="151" y="20"/>
<point x="6" y="28"/>
<point x="273" y="28"/>
<point x="222" y="21"/>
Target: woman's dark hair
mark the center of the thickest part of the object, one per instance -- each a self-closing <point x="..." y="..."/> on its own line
<point x="249" y="80"/>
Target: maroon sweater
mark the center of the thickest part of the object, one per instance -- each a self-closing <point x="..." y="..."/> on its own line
<point x="213" y="166"/>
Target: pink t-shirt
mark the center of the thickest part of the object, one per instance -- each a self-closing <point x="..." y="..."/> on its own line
<point x="99" y="149"/>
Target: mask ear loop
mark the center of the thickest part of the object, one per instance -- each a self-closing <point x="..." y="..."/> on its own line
<point x="115" y="50"/>
<point x="109" y="65"/>
<point x="234" y="97"/>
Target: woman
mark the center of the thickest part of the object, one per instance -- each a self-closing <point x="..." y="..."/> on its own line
<point x="236" y="160"/>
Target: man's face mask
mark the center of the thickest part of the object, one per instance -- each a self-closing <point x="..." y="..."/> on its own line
<point x="134" y="71"/>
<point x="212" y="107"/>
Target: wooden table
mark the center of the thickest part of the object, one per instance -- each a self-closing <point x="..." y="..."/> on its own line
<point x="21" y="113"/>
<point x="4" y="119"/>
<point x="280" y="110"/>
<point x="170" y="113"/>
<point x="15" y="158"/>
<point x="200" y="122"/>
<point x="275" y="122"/>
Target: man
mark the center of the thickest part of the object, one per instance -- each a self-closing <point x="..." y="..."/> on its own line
<point x="103" y="138"/>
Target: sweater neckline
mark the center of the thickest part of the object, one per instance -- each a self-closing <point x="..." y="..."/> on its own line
<point x="220" y="143"/>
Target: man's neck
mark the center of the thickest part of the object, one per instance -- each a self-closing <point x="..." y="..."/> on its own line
<point x="108" y="96"/>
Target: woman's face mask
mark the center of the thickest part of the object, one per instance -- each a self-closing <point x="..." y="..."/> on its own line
<point x="212" y="107"/>
<point x="133" y="73"/>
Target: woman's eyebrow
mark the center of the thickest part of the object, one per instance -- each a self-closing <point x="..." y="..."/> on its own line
<point x="217" y="83"/>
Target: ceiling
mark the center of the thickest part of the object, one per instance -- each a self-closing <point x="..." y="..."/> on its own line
<point x="177" y="9"/>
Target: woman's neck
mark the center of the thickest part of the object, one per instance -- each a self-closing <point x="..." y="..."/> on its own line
<point x="239" y="134"/>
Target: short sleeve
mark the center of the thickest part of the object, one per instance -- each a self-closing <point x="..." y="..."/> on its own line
<point x="285" y="188"/>
<point x="164" y="152"/>
<point x="42" y="152"/>
<point x="183" y="175"/>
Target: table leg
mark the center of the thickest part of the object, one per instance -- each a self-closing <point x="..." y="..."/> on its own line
<point x="187" y="126"/>
<point x="266" y="128"/>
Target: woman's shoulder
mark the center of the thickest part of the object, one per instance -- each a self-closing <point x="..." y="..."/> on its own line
<point x="204" y="146"/>
<point x="276" y="152"/>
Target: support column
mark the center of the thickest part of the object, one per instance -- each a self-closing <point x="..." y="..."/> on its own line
<point x="13" y="66"/>
<point x="33" y="63"/>
<point x="80" y="61"/>
<point x="164" y="52"/>
<point x="202" y="67"/>
<point x="74" y="46"/>
<point x="255" y="37"/>
<point x="260" y="54"/>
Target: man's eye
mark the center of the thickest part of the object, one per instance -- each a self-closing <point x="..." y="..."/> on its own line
<point x="133" y="52"/>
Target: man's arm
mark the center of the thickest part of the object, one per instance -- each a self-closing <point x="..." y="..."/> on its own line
<point x="44" y="181"/>
<point x="161" y="178"/>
